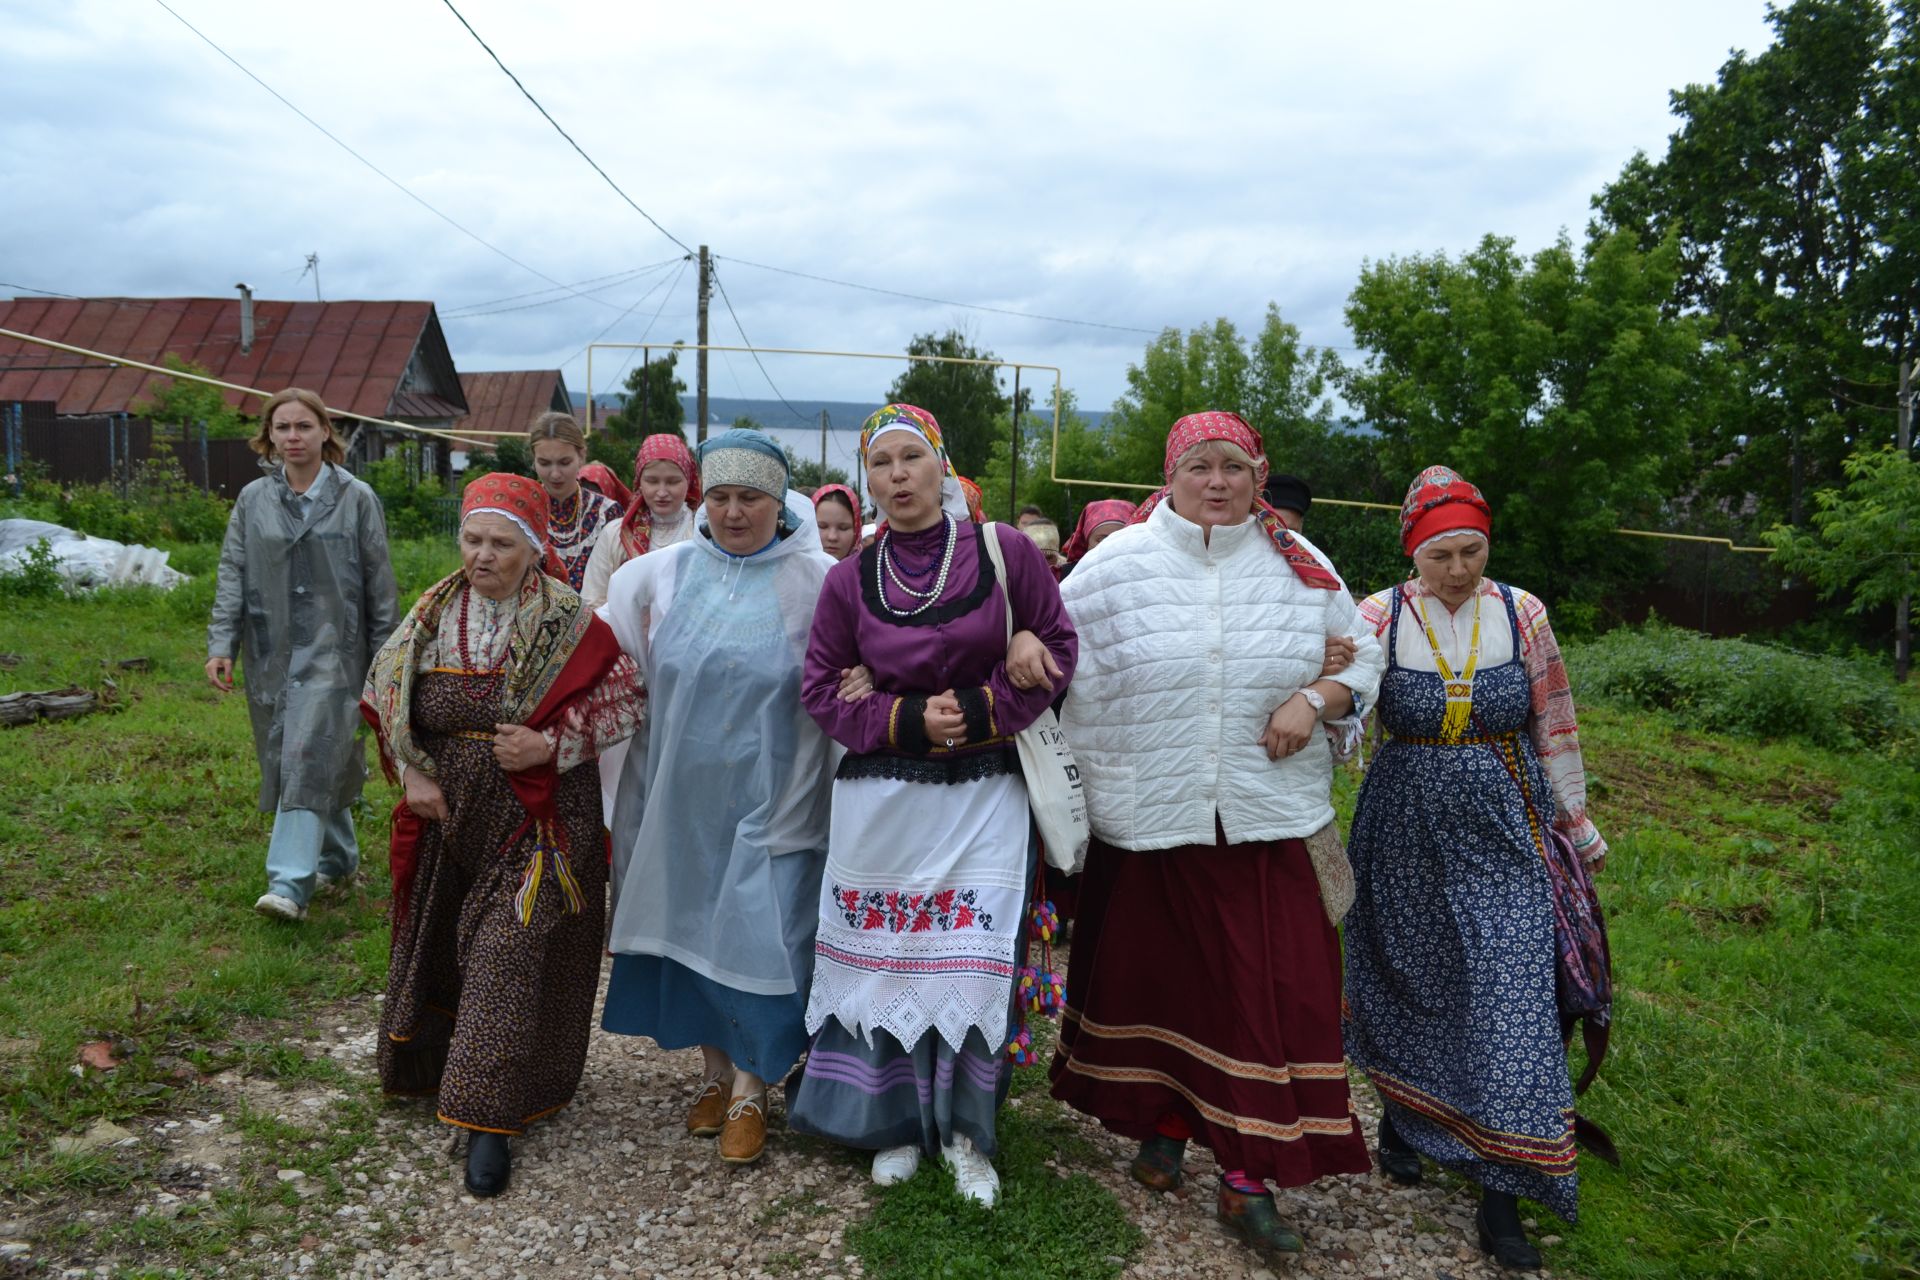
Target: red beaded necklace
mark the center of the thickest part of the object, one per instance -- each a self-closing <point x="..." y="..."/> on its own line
<point x="486" y="691"/>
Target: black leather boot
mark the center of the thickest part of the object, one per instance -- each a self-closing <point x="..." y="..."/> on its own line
<point x="1397" y="1160"/>
<point x="1501" y="1236"/>
<point x="489" y="1163"/>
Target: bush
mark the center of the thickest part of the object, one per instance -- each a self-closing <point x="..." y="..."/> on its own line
<point x="37" y="577"/>
<point x="414" y="504"/>
<point x="1736" y="686"/>
<point x="161" y="506"/>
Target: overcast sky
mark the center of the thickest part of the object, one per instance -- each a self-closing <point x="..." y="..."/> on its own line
<point x="1128" y="164"/>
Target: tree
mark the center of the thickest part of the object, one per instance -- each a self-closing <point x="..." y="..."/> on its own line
<point x="1793" y="189"/>
<point x="1562" y="385"/>
<point x="512" y="454"/>
<point x="1083" y="454"/>
<point x="179" y="405"/>
<point x="650" y="406"/>
<point x="1276" y="383"/>
<point x="966" y="398"/>
<point x="806" y="474"/>
<point x="1865" y="538"/>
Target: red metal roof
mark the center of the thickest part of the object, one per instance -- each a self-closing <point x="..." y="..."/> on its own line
<point x="355" y="354"/>
<point x="509" y="400"/>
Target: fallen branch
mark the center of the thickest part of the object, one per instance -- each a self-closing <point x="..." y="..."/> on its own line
<point x="49" y="704"/>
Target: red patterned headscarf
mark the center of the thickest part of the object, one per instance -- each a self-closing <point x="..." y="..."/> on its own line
<point x="1198" y="428"/>
<point x="601" y="477"/>
<point x="1092" y="516"/>
<point x="972" y="492"/>
<point x="523" y="501"/>
<point x="636" y="527"/>
<point x="1439" y="502"/>
<point x="853" y="499"/>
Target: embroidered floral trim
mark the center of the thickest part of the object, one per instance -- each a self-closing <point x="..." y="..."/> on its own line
<point x="896" y="912"/>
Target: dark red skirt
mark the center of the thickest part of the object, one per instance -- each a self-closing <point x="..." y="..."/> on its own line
<point x="1205" y="983"/>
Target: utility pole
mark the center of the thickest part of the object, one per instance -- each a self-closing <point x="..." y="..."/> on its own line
<point x="700" y="357"/>
<point x="1903" y="611"/>
<point x="823" y="446"/>
<point x="313" y="265"/>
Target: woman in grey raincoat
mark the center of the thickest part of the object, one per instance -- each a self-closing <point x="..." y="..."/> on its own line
<point x="305" y="598"/>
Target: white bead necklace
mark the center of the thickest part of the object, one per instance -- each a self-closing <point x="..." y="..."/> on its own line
<point x="883" y="565"/>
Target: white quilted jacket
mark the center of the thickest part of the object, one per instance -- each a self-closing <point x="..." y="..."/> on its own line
<point x="1185" y="651"/>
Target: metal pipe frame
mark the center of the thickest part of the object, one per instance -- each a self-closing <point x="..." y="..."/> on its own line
<point x="647" y="348"/>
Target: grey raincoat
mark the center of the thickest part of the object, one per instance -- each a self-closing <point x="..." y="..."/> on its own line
<point x="304" y="601"/>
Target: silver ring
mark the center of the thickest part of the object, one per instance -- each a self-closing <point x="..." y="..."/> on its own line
<point x="949" y="744"/>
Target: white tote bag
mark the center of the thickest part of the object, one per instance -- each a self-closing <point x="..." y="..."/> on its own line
<point x="1054" y="792"/>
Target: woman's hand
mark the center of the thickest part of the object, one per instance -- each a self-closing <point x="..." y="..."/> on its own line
<point x="946" y="726"/>
<point x="1598" y="865"/>
<point x="1029" y="664"/>
<point x="220" y="674"/>
<point x="855" y="683"/>
<point x="518" y="748"/>
<point x="424" y="796"/>
<point x="1289" y="728"/>
<point x="1340" y="651"/>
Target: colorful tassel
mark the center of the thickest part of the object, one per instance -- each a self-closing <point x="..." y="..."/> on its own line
<point x="529" y="890"/>
<point x="1020" y="1049"/>
<point x="1041" y="991"/>
<point x="546" y="841"/>
<point x="1046" y="921"/>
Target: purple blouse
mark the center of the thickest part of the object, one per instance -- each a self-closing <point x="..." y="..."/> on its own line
<point x="960" y="643"/>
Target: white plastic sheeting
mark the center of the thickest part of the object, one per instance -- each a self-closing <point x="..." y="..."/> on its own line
<point x="86" y="561"/>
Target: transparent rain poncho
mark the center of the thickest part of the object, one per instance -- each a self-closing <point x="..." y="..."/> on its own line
<point x="729" y="771"/>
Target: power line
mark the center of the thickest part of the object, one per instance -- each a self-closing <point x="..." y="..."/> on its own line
<point x="51" y="293"/>
<point x="668" y="282"/>
<point x="562" y="132"/>
<point x="657" y="313"/>
<point x="947" y="302"/>
<point x="747" y="342"/>
<point x="615" y="279"/>
<point x="394" y="182"/>
<point x="633" y="278"/>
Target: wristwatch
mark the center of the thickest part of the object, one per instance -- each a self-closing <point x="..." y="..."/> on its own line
<point x="1314" y="700"/>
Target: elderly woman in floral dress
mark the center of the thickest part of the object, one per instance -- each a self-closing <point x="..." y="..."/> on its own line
<point x="1203" y="994"/>
<point x="1450" y="945"/>
<point x="493" y="692"/>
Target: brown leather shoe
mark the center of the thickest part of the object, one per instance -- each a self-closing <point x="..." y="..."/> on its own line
<point x="709" y="1110"/>
<point x="744" y="1138"/>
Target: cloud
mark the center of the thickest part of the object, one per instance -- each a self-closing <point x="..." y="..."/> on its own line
<point x="1121" y="163"/>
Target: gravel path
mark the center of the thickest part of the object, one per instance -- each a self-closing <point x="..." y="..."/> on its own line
<point x="613" y="1188"/>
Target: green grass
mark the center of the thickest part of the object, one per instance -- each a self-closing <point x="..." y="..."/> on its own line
<point x="1763" y="900"/>
<point x="1764" y="1074"/>
<point x="1052" y="1222"/>
<point x="133" y="854"/>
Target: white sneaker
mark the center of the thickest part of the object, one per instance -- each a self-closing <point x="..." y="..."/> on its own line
<point x="973" y="1174"/>
<point x="279" y="908"/>
<point x="895" y="1165"/>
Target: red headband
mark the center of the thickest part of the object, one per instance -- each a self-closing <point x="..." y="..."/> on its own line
<point x="1440" y="501"/>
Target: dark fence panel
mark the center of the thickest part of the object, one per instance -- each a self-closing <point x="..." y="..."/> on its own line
<point x="86" y="450"/>
<point x="223" y="466"/>
<point x="102" y="448"/>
